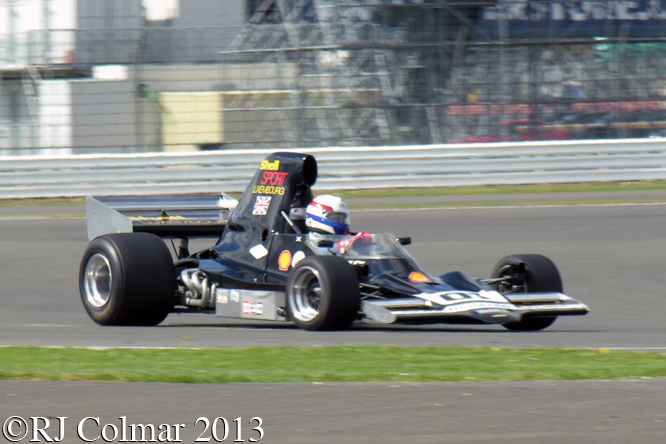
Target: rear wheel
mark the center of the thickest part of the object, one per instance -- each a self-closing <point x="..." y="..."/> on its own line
<point x="127" y="279"/>
<point x="528" y="273"/>
<point x="323" y="294"/>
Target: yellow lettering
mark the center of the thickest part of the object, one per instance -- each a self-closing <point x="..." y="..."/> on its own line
<point x="269" y="166"/>
<point x="267" y="189"/>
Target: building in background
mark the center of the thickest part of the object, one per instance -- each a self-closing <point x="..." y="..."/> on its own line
<point x="153" y="75"/>
<point x="85" y="76"/>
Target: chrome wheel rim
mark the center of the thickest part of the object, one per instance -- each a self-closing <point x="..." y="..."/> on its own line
<point x="305" y="294"/>
<point x="97" y="281"/>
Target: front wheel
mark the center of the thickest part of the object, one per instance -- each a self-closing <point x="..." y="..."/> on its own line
<point x="527" y="273"/>
<point x="323" y="294"/>
<point x="127" y="279"/>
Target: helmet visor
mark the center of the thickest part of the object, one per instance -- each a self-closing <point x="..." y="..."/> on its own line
<point x="338" y="217"/>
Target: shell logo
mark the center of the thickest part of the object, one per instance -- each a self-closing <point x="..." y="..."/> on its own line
<point x="284" y="261"/>
<point x="416" y="277"/>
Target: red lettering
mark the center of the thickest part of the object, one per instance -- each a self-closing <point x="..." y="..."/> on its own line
<point x="273" y="178"/>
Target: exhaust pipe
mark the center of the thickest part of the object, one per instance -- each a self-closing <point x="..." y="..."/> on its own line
<point x="199" y="293"/>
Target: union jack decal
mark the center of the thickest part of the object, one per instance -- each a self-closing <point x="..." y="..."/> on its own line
<point x="261" y="205"/>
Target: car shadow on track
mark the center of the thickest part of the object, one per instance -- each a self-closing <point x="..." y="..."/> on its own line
<point x="365" y="327"/>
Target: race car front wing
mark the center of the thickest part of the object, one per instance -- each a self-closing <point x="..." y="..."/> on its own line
<point x="515" y="306"/>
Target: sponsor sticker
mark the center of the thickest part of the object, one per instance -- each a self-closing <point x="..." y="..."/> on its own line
<point x="180" y="220"/>
<point x="550" y="307"/>
<point x="258" y="251"/>
<point x="221" y="296"/>
<point x="273" y="178"/>
<point x="454" y="297"/>
<point x="268" y="189"/>
<point x="284" y="261"/>
<point x="234" y="295"/>
<point x="261" y="205"/>
<point x="476" y="306"/>
<point x="253" y="308"/>
<point x="269" y="166"/>
<point x="298" y="256"/>
<point x="416" y="277"/>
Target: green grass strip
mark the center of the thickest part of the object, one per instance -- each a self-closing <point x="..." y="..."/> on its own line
<point x="41" y="202"/>
<point x="573" y="189"/>
<point x="325" y="364"/>
<point x="476" y="190"/>
<point x="511" y="204"/>
<point x="43" y="216"/>
<point x="493" y="190"/>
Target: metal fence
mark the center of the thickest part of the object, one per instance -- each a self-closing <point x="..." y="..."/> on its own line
<point x="339" y="168"/>
<point x="112" y="76"/>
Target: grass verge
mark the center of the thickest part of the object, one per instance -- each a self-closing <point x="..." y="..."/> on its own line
<point x="493" y="190"/>
<point x="45" y="202"/>
<point x="508" y="204"/>
<point x="325" y="364"/>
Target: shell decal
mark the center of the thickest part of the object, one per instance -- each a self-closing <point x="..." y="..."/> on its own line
<point x="416" y="277"/>
<point x="284" y="261"/>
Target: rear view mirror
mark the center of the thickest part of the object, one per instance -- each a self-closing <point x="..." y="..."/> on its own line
<point x="405" y="240"/>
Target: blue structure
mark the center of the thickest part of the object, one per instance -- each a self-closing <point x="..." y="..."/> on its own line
<point x="562" y="19"/>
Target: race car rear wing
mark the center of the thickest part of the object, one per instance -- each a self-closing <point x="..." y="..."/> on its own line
<point x="184" y="217"/>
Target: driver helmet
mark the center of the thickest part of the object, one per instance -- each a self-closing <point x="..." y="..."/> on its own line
<point x="327" y="214"/>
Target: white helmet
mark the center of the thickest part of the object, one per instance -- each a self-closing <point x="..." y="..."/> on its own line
<point x="327" y="214"/>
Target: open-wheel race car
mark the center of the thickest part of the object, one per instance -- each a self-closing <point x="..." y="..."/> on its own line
<point x="264" y="264"/>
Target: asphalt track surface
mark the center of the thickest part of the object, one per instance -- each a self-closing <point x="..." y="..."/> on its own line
<point x="562" y="412"/>
<point x="610" y="257"/>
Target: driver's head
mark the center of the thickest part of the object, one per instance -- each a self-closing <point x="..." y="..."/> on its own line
<point x="327" y="214"/>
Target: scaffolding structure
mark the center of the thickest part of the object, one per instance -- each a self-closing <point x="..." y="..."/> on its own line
<point x="464" y="71"/>
<point x="306" y="73"/>
<point x="340" y="92"/>
<point x="357" y="72"/>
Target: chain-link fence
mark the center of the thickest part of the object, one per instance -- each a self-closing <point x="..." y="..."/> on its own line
<point x="134" y="76"/>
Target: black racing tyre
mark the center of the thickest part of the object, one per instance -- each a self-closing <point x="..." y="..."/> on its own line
<point x="323" y="294"/>
<point x="528" y="273"/>
<point x="127" y="279"/>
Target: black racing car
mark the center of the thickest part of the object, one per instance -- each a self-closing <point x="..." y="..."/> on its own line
<point x="264" y="265"/>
